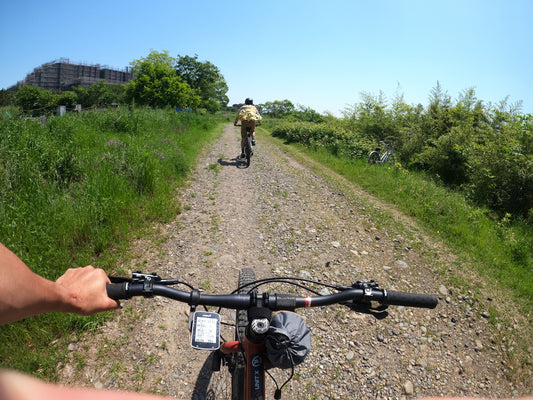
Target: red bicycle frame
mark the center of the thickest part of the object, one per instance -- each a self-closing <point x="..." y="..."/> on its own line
<point x="254" y="372"/>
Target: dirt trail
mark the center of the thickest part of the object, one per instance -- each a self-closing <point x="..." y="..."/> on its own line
<point x="278" y="217"/>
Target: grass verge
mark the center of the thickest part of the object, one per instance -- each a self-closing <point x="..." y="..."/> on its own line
<point x="75" y="191"/>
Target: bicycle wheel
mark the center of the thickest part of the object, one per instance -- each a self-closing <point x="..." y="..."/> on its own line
<point x="246" y="276"/>
<point x="248" y="148"/>
<point x="390" y="159"/>
<point x="373" y="158"/>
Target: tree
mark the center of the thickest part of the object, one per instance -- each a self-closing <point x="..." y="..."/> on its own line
<point x="307" y="114"/>
<point x="206" y="78"/>
<point x="68" y="99"/>
<point x="34" y="99"/>
<point x="278" y="108"/>
<point x="6" y="97"/>
<point x="438" y="114"/>
<point x="100" y="94"/>
<point x="371" y="118"/>
<point x="157" y="85"/>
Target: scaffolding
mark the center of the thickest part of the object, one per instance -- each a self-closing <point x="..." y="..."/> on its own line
<point x="61" y="74"/>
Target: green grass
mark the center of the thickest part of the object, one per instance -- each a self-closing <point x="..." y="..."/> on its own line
<point x="75" y="192"/>
<point x="500" y="249"/>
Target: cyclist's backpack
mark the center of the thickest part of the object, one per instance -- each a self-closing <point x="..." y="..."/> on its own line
<point x="288" y="340"/>
<point x="249" y="113"/>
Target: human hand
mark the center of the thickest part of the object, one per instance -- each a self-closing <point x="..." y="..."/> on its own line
<point x="84" y="291"/>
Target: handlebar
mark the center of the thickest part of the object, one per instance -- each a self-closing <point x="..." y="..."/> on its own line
<point x="275" y="302"/>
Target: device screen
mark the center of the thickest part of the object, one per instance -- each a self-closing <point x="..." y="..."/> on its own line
<point x="205" y="331"/>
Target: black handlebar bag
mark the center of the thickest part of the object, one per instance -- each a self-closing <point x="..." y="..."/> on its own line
<point x="288" y="340"/>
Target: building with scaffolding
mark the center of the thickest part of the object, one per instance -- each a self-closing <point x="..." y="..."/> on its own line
<point x="63" y="75"/>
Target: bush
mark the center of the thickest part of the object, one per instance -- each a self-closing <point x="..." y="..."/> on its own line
<point x="486" y="151"/>
<point x="333" y="138"/>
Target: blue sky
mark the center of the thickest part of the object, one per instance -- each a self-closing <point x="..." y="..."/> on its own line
<point x="320" y="54"/>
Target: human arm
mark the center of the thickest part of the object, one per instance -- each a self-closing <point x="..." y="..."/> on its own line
<point x="16" y="386"/>
<point x="258" y="117"/>
<point x="24" y="293"/>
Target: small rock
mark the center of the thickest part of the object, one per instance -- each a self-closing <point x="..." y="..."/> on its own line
<point x="350" y="355"/>
<point x="401" y="263"/>
<point x="305" y="274"/>
<point x="408" y="388"/>
<point x="485" y="314"/>
<point x="479" y="345"/>
<point x="443" y="291"/>
<point x="336" y="244"/>
<point x="71" y="347"/>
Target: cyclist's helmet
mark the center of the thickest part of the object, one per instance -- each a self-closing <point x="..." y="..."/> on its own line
<point x="248" y="101"/>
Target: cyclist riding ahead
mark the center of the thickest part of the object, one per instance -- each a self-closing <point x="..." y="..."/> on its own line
<point x="250" y="117"/>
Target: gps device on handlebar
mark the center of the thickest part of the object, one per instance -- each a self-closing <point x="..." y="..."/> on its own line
<point x="205" y="330"/>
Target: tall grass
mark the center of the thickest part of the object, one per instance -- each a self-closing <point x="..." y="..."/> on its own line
<point x="75" y="191"/>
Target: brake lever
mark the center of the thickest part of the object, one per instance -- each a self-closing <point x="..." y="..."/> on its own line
<point x="141" y="277"/>
<point x="365" y="306"/>
<point x="380" y="312"/>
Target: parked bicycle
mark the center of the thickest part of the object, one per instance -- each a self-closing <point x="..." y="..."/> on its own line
<point x="262" y="339"/>
<point x="378" y="156"/>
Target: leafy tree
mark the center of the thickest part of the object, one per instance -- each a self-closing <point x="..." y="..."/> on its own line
<point x="501" y="167"/>
<point x="100" y="94"/>
<point x="371" y="118"/>
<point x="68" y="99"/>
<point x="6" y="98"/>
<point x="307" y="114"/>
<point x="34" y="99"/>
<point x="206" y="78"/>
<point x="157" y="85"/>
<point x="278" y="108"/>
<point x="438" y="119"/>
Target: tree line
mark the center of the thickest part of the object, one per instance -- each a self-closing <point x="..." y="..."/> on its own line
<point x="160" y="81"/>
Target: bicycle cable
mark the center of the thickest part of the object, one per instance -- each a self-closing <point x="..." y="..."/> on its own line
<point x="277" y="393"/>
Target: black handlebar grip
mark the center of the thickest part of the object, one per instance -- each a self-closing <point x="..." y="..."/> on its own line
<point x="117" y="291"/>
<point x="411" y="299"/>
<point x="285" y="302"/>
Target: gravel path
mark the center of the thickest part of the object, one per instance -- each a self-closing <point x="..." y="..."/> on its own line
<point x="280" y="218"/>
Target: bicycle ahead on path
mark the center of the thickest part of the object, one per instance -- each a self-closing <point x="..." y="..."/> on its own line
<point x="262" y="339"/>
<point x="385" y="157"/>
